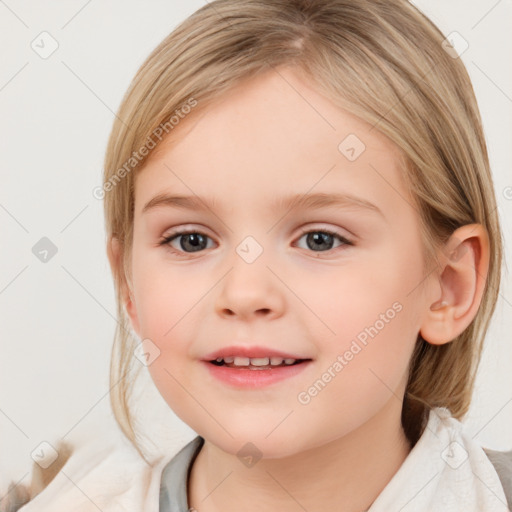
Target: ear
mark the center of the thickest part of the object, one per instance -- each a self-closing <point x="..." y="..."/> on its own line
<point x="464" y="268"/>
<point x="115" y="257"/>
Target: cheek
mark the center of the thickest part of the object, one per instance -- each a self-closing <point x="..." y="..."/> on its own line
<point x="363" y="366"/>
<point x="163" y="293"/>
<point x="372" y="288"/>
<point x="369" y="311"/>
<point x="170" y="306"/>
<point x="166" y="303"/>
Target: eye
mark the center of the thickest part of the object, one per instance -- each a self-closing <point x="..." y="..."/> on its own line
<point x="318" y="240"/>
<point x="188" y="241"/>
<point x="323" y="239"/>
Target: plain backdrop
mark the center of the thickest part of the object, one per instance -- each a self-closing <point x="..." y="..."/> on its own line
<point x="58" y="318"/>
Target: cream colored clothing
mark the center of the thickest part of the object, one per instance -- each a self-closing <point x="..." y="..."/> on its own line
<point x="446" y="471"/>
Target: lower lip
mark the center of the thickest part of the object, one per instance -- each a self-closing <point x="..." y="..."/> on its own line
<point x="247" y="378"/>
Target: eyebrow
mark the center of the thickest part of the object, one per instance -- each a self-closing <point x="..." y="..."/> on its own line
<point x="305" y="201"/>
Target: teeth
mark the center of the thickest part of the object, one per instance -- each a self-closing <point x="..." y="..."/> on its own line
<point x="259" y="361"/>
<point x="255" y="361"/>
<point x="241" y="361"/>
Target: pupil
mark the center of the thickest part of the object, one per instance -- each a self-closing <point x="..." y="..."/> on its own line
<point x="318" y="238"/>
<point x="194" y="239"/>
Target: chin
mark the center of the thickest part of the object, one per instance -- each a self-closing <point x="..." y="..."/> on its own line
<point x="254" y="441"/>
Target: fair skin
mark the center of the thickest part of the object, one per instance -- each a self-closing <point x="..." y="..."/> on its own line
<point x="262" y="142"/>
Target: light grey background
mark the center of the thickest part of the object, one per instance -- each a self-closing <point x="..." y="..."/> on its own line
<point x="58" y="318"/>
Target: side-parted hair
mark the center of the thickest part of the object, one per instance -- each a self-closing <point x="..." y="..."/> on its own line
<point x="381" y="60"/>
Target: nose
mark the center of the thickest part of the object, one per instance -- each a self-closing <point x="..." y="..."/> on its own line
<point x="249" y="291"/>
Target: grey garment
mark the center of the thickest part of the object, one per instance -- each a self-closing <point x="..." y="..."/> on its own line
<point x="502" y="462"/>
<point x="175" y="475"/>
<point x="173" y="484"/>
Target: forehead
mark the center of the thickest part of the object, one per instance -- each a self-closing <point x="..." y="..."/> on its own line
<point x="274" y="134"/>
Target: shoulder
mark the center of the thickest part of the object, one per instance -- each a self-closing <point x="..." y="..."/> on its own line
<point x="100" y="473"/>
<point x="17" y="494"/>
<point x="502" y="462"/>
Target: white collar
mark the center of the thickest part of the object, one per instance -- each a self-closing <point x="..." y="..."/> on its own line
<point x="445" y="471"/>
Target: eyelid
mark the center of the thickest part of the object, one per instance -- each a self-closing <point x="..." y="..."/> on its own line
<point x="304" y="230"/>
<point x="184" y="229"/>
<point x="179" y="231"/>
<point x="332" y="231"/>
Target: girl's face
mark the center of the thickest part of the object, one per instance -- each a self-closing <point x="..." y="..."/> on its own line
<point x="261" y="271"/>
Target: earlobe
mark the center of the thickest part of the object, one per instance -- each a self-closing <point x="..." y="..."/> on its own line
<point x="464" y="267"/>
<point x="115" y="257"/>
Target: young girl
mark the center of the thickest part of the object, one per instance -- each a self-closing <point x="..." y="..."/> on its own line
<point x="303" y="234"/>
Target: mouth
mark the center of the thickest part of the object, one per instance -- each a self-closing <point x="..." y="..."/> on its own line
<point x="253" y="373"/>
<point x="256" y="363"/>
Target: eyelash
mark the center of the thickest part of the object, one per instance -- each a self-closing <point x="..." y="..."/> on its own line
<point x="168" y="239"/>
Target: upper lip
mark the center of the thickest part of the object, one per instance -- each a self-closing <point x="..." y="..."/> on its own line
<point x="251" y="352"/>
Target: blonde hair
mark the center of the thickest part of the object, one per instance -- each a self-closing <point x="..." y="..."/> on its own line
<point x="381" y="60"/>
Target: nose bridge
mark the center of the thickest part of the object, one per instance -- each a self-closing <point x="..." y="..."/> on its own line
<point x="250" y="250"/>
<point x="250" y="287"/>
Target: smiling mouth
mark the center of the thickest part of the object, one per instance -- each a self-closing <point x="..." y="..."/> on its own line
<point x="256" y="363"/>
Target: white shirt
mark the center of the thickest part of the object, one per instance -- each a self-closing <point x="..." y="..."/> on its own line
<point x="446" y="471"/>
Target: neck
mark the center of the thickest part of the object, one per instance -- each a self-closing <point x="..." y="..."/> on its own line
<point x="346" y="474"/>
